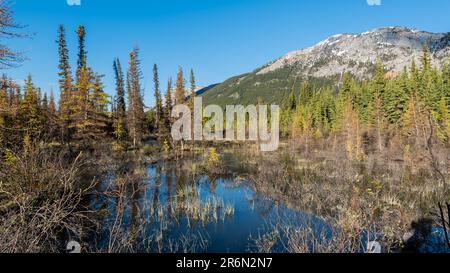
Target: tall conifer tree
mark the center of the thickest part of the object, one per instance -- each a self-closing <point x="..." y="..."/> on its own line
<point x="65" y="87"/>
<point x="120" y="108"/>
<point x="136" y="115"/>
<point x="158" y="102"/>
<point x="180" y="90"/>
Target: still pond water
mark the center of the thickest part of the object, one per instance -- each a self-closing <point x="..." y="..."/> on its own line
<point x="172" y="212"/>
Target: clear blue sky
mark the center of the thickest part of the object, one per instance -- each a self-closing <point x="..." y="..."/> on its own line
<point x="217" y="38"/>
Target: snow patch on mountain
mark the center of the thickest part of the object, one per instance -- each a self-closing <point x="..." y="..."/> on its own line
<point x="356" y="53"/>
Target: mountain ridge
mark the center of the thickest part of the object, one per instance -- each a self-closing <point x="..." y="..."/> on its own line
<point x="326" y="61"/>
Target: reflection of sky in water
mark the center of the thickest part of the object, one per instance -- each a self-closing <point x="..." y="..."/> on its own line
<point x="253" y="213"/>
<point x="435" y="242"/>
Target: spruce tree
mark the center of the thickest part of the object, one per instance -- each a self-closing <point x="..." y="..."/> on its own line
<point x="65" y="87"/>
<point x="158" y="102"/>
<point x="180" y="90"/>
<point x="416" y="120"/>
<point x="288" y="107"/>
<point x="120" y="108"/>
<point x="84" y="80"/>
<point x="193" y="89"/>
<point x="98" y="117"/>
<point x="426" y="60"/>
<point x="443" y="119"/>
<point x="44" y="108"/>
<point x="191" y="105"/>
<point x="446" y="83"/>
<point x="168" y="107"/>
<point x="29" y="109"/>
<point x="82" y="54"/>
<point x="53" y="126"/>
<point x="136" y="115"/>
<point x="81" y="106"/>
<point x="346" y="84"/>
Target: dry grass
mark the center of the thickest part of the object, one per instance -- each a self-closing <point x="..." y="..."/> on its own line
<point x="41" y="200"/>
<point x="377" y="195"/>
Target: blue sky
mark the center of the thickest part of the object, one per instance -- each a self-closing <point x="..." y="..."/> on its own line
<point x="217" y="38"/>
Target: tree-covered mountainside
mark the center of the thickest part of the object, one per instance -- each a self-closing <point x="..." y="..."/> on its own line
<point x="326" y="62"/>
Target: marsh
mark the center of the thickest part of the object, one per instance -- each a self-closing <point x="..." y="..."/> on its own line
<point x="240" y="200"/>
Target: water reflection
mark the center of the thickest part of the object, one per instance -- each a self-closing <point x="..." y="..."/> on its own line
<point x="165" y="208"/>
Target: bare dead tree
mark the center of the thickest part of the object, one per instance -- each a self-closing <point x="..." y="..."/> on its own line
<point x="9" y="29"/>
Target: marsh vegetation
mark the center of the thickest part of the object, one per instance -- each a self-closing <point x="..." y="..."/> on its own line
<point x="227" y="198"/>
<point x="361" y="161"/>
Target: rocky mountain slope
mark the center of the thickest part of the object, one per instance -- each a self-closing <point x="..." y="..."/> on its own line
<point x="326" y="61"/>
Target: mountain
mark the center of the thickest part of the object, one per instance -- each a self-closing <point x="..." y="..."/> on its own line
<point x="325" y="63"/>
<point x="203" y="90"/>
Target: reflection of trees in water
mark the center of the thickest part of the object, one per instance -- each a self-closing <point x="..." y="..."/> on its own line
<point x="131" y="187"/>
<point x="169" y="178"/>
<point x="156" y="186"/>
<point x="136" y="204"/>
<point x="162" y="212"/>
<point x="213" y="187"/>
